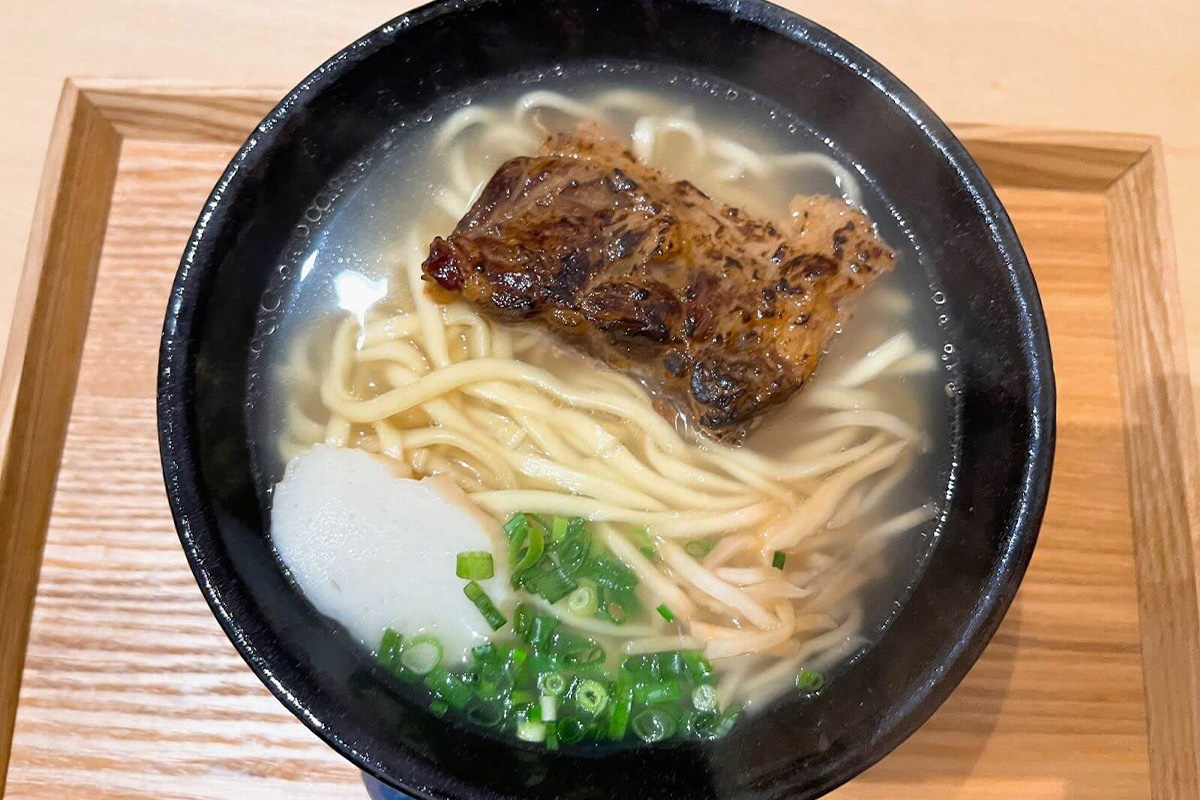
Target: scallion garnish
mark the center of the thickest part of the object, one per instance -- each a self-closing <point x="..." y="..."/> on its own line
<point x="644" y="543"/>
<point x="700" y="724"/>
<point x="779" y="559"/>
<point x="540" y="629"/>
<point x="577" y="651"/>
<point x="487" y="715"/>
<point x="660" y="691"/>
<point x="547" y="580"/>
<point x="591" y="696"/>
<point x="487" y="608"/>
<point x="809" y="680"/>
<point x="554" y="687"/>
<point x="559" y="528"/>
<point x="704" y="697"/>
<point x="724" y="722"/>
<point x="534" y="541"/>
<point x="448" y="687"/>
<point x="389" y="648"/>
<point x="671" y="662"/>
<point x="610" y="573"/>
<point x="699" y="666"/>
<point x="653" y="725"/>
<point x="570" y="551"/>
<point x="421" y="654"/>
<point x="618" y="723"/>
<point x="475" y="565"/>
<point x="531" y="731"/>
<point x="552" y="683"/>
<point x="549" y="704"/>
<point x="583" y="601"/>
<point x="570" y="730"/>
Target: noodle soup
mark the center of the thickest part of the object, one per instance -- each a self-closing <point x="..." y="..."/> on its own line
<point x="609" y="573"/>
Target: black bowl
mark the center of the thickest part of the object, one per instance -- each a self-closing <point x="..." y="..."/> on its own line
<point x="797" y="749"/>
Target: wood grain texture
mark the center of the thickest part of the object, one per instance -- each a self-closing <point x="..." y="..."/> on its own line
<point x="1160" y="437"/>
<point x="131" y="690"/>
<point x="37" y="380"/>
<point x="1086" y="161"/>
<point x="181" y="112"/>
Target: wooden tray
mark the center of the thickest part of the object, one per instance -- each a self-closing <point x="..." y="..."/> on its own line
<point x="128" y="689"/>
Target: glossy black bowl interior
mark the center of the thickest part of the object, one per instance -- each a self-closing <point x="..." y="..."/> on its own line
<point x="800" y="748"/>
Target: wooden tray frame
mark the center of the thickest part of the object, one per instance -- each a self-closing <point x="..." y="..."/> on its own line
<point x="44" y="350"/>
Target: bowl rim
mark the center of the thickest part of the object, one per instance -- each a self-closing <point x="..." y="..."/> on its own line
<point x="174" y="391"/>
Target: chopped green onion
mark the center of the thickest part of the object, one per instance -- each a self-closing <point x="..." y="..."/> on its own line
<point x="616" y="612"/>
<point x="666" y="613"/>
<point x="704" y="697"/>
<point x="581" y="655"/>
<point x="583" y="601"/>
<point x="540" y="630"/>
<point x="487" y="608"/>
<point x="521" y="560"/>
<point x="421" y="654"/>
<point x="618" y="605"/>
<point x="494" y="687"/>
<point x="645" y="666"/>
<point x="699" y="666"/>
<point x="438" y="708"/>
<point x="644" y="543"/>
<point x="622" y="706"/>
<point x="531" y="731"/>
<point x="475" y="565"/>
<point x="486" y="652"/>
<point x="671" y="662"/>
<point x="570" y="730"/>
<point x="778" y="560"/>
<point x="522" y="618"/>
<point x="724" y="722"/>
<point x="521" y="697"/>
<point x="570" y="552"/>
<point x="700" y="723"/>
<point x="517" y="657"/>
<point x="552" y="683"/>
<point x="486" y="715"/>
<point x="639" y="536"/>
<point x="547" y="580"/>
<point x="389" y="648"/>
<point x="663" y="691"/>
<point x="653" y="725"/>
<point x="698" y="548"/>
<point x="559" y="528"/>
<point x="809" y="680"/>
<point x="610" y="573"/>
<point x="591" y="696"/>
<point x="551" y="736"/>
<point x="549" y="705"/>
<point x="448" y="687"/>
<point x="515" y="525"/>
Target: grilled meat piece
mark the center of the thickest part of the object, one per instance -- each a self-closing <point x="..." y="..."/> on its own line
<point x="724" y="314"/>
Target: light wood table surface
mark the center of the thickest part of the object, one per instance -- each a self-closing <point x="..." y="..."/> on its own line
<point x="1120" y="65"/>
